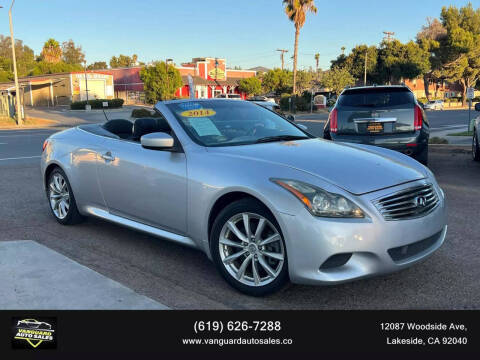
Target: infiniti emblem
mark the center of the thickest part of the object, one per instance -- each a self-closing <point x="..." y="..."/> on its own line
<point x="420" y="201"/>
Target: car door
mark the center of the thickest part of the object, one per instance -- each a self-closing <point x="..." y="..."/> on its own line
<point x="144" y="185"/>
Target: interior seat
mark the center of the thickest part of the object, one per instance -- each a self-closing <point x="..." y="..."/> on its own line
<point x="143" y="126"/>
<point x="121" y="127"/>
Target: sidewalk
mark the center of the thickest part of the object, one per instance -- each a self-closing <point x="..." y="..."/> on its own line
<point x="452" y="140"/>
<point x="35" y="277"/>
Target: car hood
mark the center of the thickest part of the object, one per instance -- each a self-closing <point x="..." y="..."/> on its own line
<point x="358" y="169"/>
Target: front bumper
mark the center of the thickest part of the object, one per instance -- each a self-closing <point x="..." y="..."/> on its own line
<point x="376" y="246"/>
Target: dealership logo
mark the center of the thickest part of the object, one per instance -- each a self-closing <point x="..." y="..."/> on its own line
<point x="34" y="333"/>
<point x="420" y="201"/>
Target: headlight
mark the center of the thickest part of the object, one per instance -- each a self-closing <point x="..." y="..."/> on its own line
<point x="320" y="202"/>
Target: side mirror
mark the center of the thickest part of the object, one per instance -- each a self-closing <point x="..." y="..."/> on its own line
<point x="477" y="107"/>
<point x="303" y="127"/>
<point x="290" y="118"/>
<point x="157" y="140"/>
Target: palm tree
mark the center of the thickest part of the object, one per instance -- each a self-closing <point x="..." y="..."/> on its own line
<point x="296" y="11"/>
<point x="52" y="52"/>
<point x="317" y="59"/>
<point x="343" y="50"/>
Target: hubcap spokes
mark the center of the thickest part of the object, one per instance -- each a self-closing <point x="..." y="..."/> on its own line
<point x="251" y="249"/>
<point x="59" y="196"/>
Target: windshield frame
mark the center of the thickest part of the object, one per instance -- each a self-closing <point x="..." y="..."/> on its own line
<point x="198" y="142"/>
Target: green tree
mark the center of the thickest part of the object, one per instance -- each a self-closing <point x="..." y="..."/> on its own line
<point x="72" y="54"/>
<point x="97" y="65"/>
<point x="317" y="59"/>
<point x="304" y="80"/>
<point x="251" y="86"/>
<point x="429" y="38"/>
<point x="340" y="61"/>
<point x="397" y="61"/>
<point x="277" y="80"/>
<point x="459" y="50"/>
<point x="45" y="67"/>
<point x="336" y="79"/>
<point x="160" y="81"/>
<point x="51" y="52"/>
<point x="24" y="55"/>
<point x="296" y="11"/>
<point x="123" y="61"/>
<point x="355" y="61"/>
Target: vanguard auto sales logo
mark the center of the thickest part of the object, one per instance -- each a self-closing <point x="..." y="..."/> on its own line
<point x="34" y="333"/>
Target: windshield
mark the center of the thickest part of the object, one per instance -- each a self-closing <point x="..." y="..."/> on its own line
<point x="228" y="123"/>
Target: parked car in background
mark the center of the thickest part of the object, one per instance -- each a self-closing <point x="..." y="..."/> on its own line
<point x="229" y="96"/>
<point x="261" y="98"/>
<point x="385" y="116"/>
<point x="266" y="201"/>
<point x="276" y="108"/>
<point x="476" y="136"/>
<point x="434" y="105"/>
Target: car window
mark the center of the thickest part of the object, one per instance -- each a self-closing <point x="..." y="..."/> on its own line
<point x="376" y="97"/>
<point x="227" y="123"/>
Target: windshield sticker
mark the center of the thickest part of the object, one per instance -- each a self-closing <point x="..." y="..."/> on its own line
<point x="190" y="105"/>
<point x="199" y="113"/>
<point x="204" y="126"/>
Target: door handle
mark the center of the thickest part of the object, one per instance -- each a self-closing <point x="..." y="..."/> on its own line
<point x="108" y="156"/>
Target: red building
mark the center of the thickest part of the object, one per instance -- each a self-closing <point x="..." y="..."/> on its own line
<point x="210" y="78"/>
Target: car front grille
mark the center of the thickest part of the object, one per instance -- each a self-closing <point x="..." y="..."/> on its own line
<point x="408" y="204"/>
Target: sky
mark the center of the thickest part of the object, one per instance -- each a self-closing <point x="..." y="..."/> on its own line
<point x="245" y="33"/>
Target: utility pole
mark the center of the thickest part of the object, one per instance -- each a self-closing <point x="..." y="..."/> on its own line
<point x="282" y="52"/>
<point x="388" y="35"/>
<point x="167" y="62"/>
<point x="365" y="74"/>
<point x="17" y="87"/>
<point x="86" y="83"/>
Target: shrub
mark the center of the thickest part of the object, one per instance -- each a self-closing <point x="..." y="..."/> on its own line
<point x="139" y="113"/>
<point x="284" y="103"/>
<point x="437" y="140"/>
<point x="96" y="104"/>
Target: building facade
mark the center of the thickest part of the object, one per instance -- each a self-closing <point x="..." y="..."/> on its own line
<point x="211" y="77"/>
<point x="438" y="89"/>
<point x="63" y="88"/>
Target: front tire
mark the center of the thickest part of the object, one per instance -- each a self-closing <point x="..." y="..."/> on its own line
<point x="61" y="199"/>
<point x="248" y="249"/>
<point x="475" y="147"/>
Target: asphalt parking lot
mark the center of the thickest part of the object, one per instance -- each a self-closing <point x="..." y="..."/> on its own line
<point x="182" y="278"/>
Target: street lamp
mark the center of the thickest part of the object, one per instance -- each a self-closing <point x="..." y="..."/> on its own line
<point x="17" y="87"/>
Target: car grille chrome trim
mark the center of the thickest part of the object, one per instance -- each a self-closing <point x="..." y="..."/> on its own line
<point x="410" y="203"/>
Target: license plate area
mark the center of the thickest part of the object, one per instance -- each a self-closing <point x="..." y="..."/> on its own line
<point x="375" y="127"/>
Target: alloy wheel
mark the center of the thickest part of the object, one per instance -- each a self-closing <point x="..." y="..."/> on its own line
<point x="59" y="196"/>
<point x="251" y="249"/>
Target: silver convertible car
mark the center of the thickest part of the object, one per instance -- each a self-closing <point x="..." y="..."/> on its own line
<point x="265" y="200"/>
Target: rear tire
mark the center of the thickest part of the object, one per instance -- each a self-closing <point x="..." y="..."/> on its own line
<point x="423" y="156"/>
<point x="61" y="199"/>
<point x="475" y="147"/>
<point x="256" y="269"/>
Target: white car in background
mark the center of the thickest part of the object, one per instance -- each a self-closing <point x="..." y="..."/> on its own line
<point x="229" y="96"/>
<point x="434" y="105"/>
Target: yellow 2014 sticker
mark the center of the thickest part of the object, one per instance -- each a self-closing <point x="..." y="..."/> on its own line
<point x="198" y="113"/>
